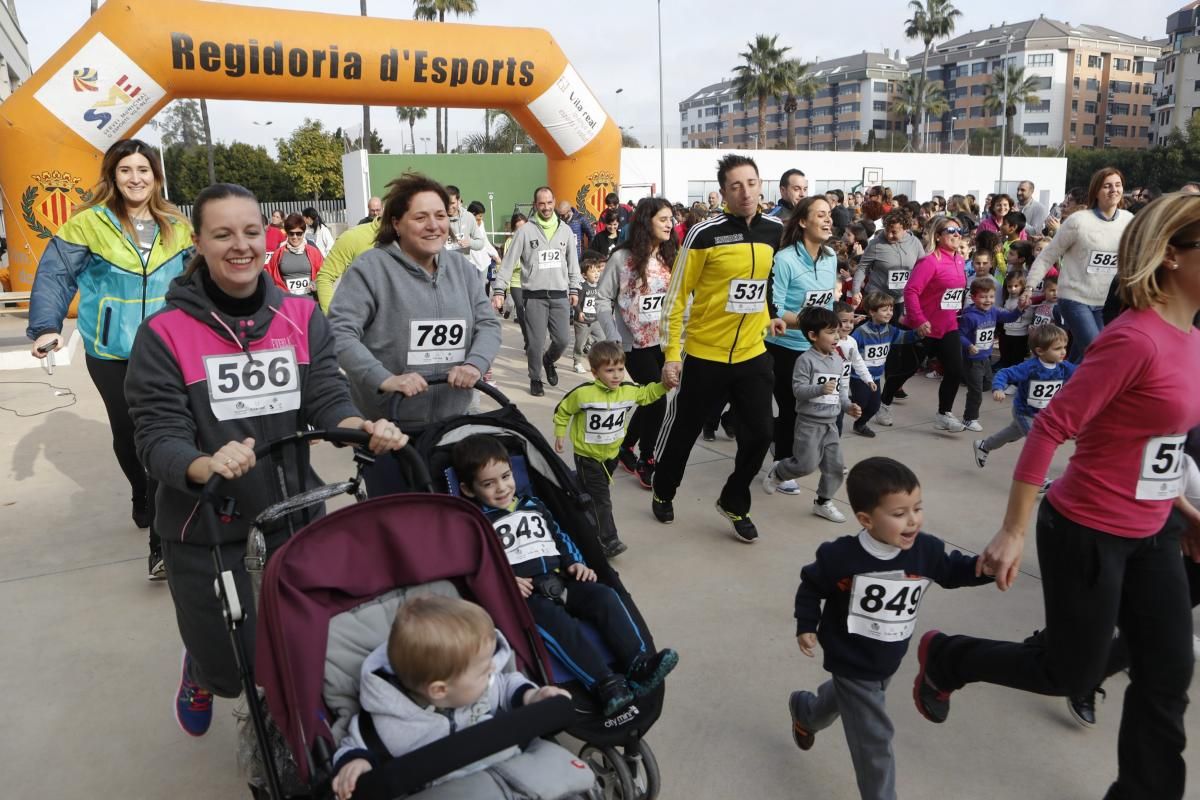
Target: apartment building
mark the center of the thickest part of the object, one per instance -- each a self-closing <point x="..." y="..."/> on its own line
<point x="14" y="50"/>
<point x="1177" y="74"/>
<point x="850" y="105"/>
<point x="1094" y="84"/>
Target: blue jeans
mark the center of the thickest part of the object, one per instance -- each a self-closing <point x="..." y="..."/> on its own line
<point x="1084" y="322"/>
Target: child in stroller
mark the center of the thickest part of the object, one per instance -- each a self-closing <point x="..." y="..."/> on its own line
<point x="441" y="669"/>
<point x="543" y="558"/>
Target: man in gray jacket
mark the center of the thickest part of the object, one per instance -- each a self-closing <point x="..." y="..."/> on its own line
<point x="465" y="235"/>
<point x="545" y="252"/>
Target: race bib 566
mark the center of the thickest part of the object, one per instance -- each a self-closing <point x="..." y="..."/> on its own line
<point x="252" y="384"/>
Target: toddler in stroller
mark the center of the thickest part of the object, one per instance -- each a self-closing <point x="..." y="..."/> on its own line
<point x="441" y="669"/>
<point x="559" y="587"/>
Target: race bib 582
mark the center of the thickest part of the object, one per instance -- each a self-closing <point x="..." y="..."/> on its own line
<point x="1102" y="262"/>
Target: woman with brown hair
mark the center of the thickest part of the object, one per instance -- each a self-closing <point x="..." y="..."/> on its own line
<point x="120" y="250"/>
<point x="294" y="266"/>
<point x="1109" y="530"/>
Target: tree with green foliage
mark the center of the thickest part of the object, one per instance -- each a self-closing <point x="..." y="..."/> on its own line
<point x="180" y="124"/>
<point x="504" y="135"/>
<point x="1020" y="90"/>
<point x="915" y="97"/>
<point x="437" y="10"/>
<point x="760" y="76"/>
<point x="1166" y="167"/>
<point x="313" y="160"/>
<point x="931" y="20"/>
<point x="248" y="165"/>
<point x="411" y="114"/>
<point x="795" y="82"/>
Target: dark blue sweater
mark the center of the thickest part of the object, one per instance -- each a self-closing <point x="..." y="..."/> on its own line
<point x="875" y="341"/>
<point x="973" y="320"/>
<point x="535" y="525"/>
<point x="831" y="579"/>
<point x="1045" y="381"/>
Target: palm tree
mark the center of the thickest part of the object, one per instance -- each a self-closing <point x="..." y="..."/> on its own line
<point x="410" y="114"/>
<point x="505" y="135"/>
<point x="931" y="19"/>
<point x="796" y="83"/>
<point x="362" y="7"/>
<point x="761" y="77"/>
<point x="208" y="142"/>
<point x="1009" y="89"/>
<point x="436" y="10"/>
<point x="915" y="97"/>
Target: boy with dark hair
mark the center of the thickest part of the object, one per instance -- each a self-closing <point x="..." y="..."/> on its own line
<point x="977" y="330"/>
<point x="597" y="415"/>
<point x="587" y="328"/>
<point x="560" y="588"/>
<point x="860" y="599"/>
<point x="875" y="339"/>
<point x="1012" y="229"/>
<point x="822" y="392"/>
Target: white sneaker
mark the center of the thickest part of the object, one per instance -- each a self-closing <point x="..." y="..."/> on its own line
<point x="884" y="416"/>
<point x="947" y="422"/>
<point x="770" y="483"/>
<point x="980" y="454"/>
<point x="933" y="375"/>
<point x="785" y="487"/>
<point x="829" y="511"/>
<point x="580" y="368"/>
<point x="1196" y="646"/>
<point x="972" y="425"/>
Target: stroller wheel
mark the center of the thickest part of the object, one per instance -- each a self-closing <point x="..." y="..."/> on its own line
<point x="612" y="773"/>
<point x="643" y="767"/>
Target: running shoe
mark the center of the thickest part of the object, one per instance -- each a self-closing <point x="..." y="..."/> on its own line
<point x="1083" y="707"/>
<point x="864" y="430"/>
<point x="644" y="470"/>
<point x="193" y="705"/>
<point x="884" y="416"/>
<point x="536" y="389"/>
<point x="933" y="703"/>
<point x="770" y="482"/>
<point x="141" y="513"/>
<point x="933" y="375"/>
<point x="948" y="422"/>
<point x="743" y="528"/>
<point x="980" y="451"/>
<point x="551" y="372"/>
<point x="664" y="510"/>
<point x="829" y="511"/>
<point x="788" y="486"/>
<point x="802" y="736"/>
<point x="614" y="548"/>
<point x="156" y="567"/>
<point x="709" y="434"/>
<point x="613" y="693"/>
<point x="580" y="368"/>
<point x="649" y="671"/>
<point x="728" y="425"/>
<point x="972" y="425"/>
<point x="627" y="459"/>
<point x="900" y="395"/>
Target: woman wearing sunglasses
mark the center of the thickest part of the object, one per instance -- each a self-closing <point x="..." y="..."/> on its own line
<point x="295" y="265"/>
<point x="933" y="296"/>
<point x="1085" y="249"/>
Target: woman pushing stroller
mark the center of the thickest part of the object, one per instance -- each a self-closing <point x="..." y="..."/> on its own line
<point x="228" y="361"/>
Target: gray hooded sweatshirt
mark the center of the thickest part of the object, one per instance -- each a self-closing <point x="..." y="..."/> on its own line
<point x="404" y="726"/>
<point x="886" y="267"/>
<point x="812" y="371"/>
<point x="390" y="316"/>
<point x="545" y="265"/>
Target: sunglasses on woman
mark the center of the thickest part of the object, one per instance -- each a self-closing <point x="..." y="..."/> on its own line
<point x="295" y="233"/>
<point x="952" y="231"/>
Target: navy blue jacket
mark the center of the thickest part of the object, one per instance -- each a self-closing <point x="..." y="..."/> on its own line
<point x="568" y="552"/>
<point x="876" y="341"/>
<point x="823" y="599"/>
<point x="972" y="320"/>
<point x="1028" y="372"/>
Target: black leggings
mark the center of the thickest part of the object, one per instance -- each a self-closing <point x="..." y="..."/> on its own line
<point x="902" y="363"/>
<point x="785" y="398"/>
<point x="947" y="350"/>
<point x="644" y="365"/>
<point x="109" y="377"/>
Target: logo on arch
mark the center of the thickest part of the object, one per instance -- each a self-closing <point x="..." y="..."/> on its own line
<point x="100" y="93"/>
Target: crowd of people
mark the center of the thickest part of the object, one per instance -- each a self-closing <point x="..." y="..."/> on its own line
<point x="773" y="320"/>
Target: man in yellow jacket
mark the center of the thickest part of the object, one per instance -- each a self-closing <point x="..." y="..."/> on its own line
<point x="724" y="268"/>
<point x="349" y="246"/>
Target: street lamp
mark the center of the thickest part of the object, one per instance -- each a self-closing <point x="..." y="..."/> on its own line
<point x="662" y="130"/>
<point x="425" y="139"/>
<point x="1004" y="111"/>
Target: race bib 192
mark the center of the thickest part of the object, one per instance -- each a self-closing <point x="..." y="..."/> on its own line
<point x="1042" y="392"/>
<point x="876" y="354"/>
<point x="952" y="299"/>
<point x="819" y="297"/>
<point x="525" y="536"/>
<point x="1102" y="262"/>
<point x="263" y="382"/>
<point x="884" y="605"/>
<point x="550" y="258"/>
<point x="298" y="285"/>
<point x="436" y="341"/>
<point x="746" y="296"/>
<point x="897" y="279"/>
<point x="1161" y="476"/>
<point x="604" y="424"/>
<point x="650" y="307"/>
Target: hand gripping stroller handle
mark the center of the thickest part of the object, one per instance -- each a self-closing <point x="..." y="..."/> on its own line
<point x="438" y="380"/>
<point x="408" y="773"/>
<point x="345" y="436"/>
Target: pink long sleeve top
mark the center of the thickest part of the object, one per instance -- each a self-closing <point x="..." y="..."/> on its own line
<point x="935" y="292"/>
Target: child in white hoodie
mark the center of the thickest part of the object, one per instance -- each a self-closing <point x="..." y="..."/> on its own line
<point x="441" y="670"/>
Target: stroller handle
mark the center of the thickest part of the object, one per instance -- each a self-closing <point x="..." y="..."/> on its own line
<point x="346" y="436"/>
<point x="438" y="380"/>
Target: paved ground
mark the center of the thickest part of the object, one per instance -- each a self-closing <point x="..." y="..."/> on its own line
<point x="90" y="653"/>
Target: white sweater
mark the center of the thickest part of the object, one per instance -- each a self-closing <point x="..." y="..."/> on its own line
<point x="1085" y="249"/>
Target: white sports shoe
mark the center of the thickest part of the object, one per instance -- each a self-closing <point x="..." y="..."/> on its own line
<point x="947" y="422"/>
<point x="1196" y="646"/>
<point x="770" y="483"/>
<point x="786" y="487"/>
<point x="829" y="511"/>
<point x="580" y="368"/>
<point x="980" y="454"/>
<point x="884" y="416"/>
<point x="972" y="425"/>
<point x="933" y="375"/>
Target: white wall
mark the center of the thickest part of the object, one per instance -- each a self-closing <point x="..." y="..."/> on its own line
<point x="951" y="173"/>
<point x="357" y="182"/>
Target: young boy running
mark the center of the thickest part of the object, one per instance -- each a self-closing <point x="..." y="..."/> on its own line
<point x="860" y="599"/>
<point x="821" y="394"/>
<point x="597" y="414"/>
<point x="977" y="329"/>
<point x="875" y="338"/>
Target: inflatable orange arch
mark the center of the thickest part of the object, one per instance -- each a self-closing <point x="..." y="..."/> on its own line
<point x="134" y="56"/>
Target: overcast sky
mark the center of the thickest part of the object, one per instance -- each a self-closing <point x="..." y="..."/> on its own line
<point x="613" y="45"/>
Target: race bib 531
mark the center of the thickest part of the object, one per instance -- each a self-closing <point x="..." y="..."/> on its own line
<point x="262" y="382"/>
<point x="746" y="296"/>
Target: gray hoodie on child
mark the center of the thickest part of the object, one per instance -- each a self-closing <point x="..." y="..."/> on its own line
<point x="812" y="371"/>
